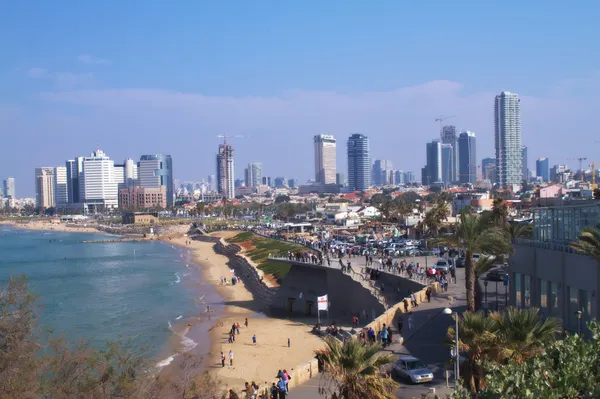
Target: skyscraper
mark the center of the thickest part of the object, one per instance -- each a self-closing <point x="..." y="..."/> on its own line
<point x="9" y="187"/>
<point x="507" y="135"/>
<point x="340" y="179"/>
<point x="409" y="177"/>
<point x="61" y="192"/>
<point x="156" y="170"/>
<point x="449" y="137"/>
<point x="359" y="162"/>
<point x="74" y="170"/>
<point x="467" y="158"/>
<point x="212" y="179"/>
<point x="399" y="177"/>
<point x="44" y="187"/>
<point x="488" y="169"/>
<point x="433" y="169"/>
<point x="325" y="159"/>
<point x="447" y="163"/>
<point x="380" y="173"/>
<point x="524" y="167"/>
<point x="225" y="178"/>
<point x="131" y="173"/>
<point x="542" y="169"/>
<point x="98" y="185"/>
<point x="254" y="174"/>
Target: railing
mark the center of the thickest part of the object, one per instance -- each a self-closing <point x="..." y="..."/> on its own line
<point x="552" y="246"/>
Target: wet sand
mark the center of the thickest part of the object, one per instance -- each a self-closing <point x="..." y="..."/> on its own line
<point x="258" y="362"/>
<point x="46" y="225"/>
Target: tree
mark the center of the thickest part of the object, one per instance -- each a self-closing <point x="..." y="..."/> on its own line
<point x="282" y="198"/>
<point x="410" y="197"/>
<point x="474" y="235"/>
<point x="354" y="370"/>
<point x="499" y="214"/>
<point x="588" y="242"/>
<point x="518" y="230"/>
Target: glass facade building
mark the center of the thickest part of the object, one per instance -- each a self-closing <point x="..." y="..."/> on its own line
<point x="507" y="135"/>
<point x="563" y="224"/>
<point x="359" y="162"/>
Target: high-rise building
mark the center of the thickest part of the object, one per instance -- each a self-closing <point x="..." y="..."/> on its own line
<point x="254" y="174"/>
<point x="156" y="170"/>
<point x="44" y="188"/>
<point x="524" y="167"/>
<point x="212" y="181"/>
<point x="467" y="158"/>
<point x="542" y="169"/>
<point x="9" y="187"/>
<point x="447" y="163"/>
<point x="266" y="181"/>
<point x="74" y="171"/>
<point x="325" y="158"/>
<point x="399" y="177"/>
<point x="131" y="173"/>
<point x="340" y="179"/>
<point x="380" y="172"/>
<point x="292" y="183"/>
<point x="359" y="162"/>
<point x="425" y="176"/>
<point x="98" y="185"/>
<point x="61" y="190"/>
<point x="556" y="173"/>
<point x="433" y="169"/>
<point x="449" y="137"/>
<point x="225" y="168"/>
<point x="488" y="169"/>
<point x="409" y="177"/>
<point x="280" y="182"/>
<point x="507" y="135"/>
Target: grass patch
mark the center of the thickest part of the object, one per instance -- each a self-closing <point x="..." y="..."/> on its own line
<point x="262" y="248"/>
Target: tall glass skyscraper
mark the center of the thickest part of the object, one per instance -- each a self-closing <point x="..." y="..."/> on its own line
<point x="449" y="137"/>
<point x="433" y="169"/>
<point x="325" y="158"/>
<point x="155" y="171"/>
<point x="467" y="158"/>
<point x="542" y="169"/>
<point x="447" y="163"/>
<point x="359" y="162"/>
<point x="507" y="135"/>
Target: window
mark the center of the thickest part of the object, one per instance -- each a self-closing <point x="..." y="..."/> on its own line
<point x="553" y="308"/>
<point x="573" y="307"/>
<point x="517" y="285"/>
<point x="543" y="290"/>
<point x="527" y="290"/>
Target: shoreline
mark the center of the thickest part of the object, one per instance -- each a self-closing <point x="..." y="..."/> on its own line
<point x="259" y="362"/>
<point x="39" y="225"/>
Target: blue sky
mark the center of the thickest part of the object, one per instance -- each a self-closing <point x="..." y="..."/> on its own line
<point x="142" y="77"/>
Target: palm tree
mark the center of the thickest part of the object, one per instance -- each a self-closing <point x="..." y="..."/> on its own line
<point x="522" y="333"/>
<point x="518" y="230"/>
<point x="588" y="242"/>
<point x="499" y="212"/>
<point x="355" y="369"/>
<point x="474" y="235"/>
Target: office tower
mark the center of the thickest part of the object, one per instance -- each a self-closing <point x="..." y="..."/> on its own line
<point x="359" y="162"/>
<point x="542" y="169"/>
<point x="488" y="169"/>
<point x="131" y="173"/>
<point x="156" y="170"/>
<point x="225" y="171"/>
<point x="238" y="183"/>
<point x="44" y="188"/>
<point x="212" y="179"/>
<point x="74" y="171"/>
<point x="449" y="137"/>
<point x="409" y="177"/>
<point x="507" y="135"/>
<point x="61" y="190"/>
<point x="467" y="158"/>
<point x="380" y="172"/>
<point x="292" y="183"/>
<point x="433" y="169"/>
<point x="254" y="174"/>
<point x="98" y="185"/>
<point x="9" y="187"/>
<point x="266" y="181"/>
<point x="280" y="182"/>
<point x="340" y="179"/>
<point x="399" y="177"/>
<point x="447" y="163"/>
<point x="325" y="158"/>
<point x="424" y="176"/>
<point x="524" y="168"/>
<point x="119" y="176"/>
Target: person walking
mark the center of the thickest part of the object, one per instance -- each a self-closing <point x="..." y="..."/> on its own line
<point x="254" y="339"/>
<point x="289" y="343"/>
<point x="281" y="388"/>
<point x="428" y="293"/>
<point x="222" y="359"/>
<point x="246" y="322"/>
<point x="413" y="299"/>
<point x="231" y="357"/>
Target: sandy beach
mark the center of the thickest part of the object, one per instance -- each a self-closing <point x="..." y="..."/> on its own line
<point x="259" y="362"/>
<point x="46" y="225"/>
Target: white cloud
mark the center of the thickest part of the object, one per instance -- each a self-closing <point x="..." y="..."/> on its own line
<point x="37" y="73"/>
<point x="90" y="59"/>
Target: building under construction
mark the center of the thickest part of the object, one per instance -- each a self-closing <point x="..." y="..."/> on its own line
<point x="225" y="177"/>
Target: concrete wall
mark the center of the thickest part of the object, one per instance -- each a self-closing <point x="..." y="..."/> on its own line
<point x="565" y="269"/>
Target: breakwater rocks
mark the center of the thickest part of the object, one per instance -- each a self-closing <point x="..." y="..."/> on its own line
<point x="141" y="230"/>
<point x="260" y="291"/>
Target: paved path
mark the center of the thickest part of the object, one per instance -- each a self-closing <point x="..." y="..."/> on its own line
<point x="424" y="341"/>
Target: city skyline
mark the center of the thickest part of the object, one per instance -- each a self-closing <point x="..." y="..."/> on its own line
<point x="98" y="89"/>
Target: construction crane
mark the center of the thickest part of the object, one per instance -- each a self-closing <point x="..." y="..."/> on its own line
<point x="441" y="120"/>
<point x="580" y="160"/>
<point x="225" y="161"/>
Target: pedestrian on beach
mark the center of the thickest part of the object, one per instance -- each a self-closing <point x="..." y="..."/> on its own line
<point x="289" y="343"/>
<point x="428" y="293"/>
<point x="230" y="357"/>
<point x="237" y="328"/>
<point x="222" y="359"/>
<point x="273" y="391"/>
<point x="286" y="378"/>
<point x="281" y="388"/>
<point x="246" y="322"/>
<point x="254" y="339"/>
<point x="233" y="395"/>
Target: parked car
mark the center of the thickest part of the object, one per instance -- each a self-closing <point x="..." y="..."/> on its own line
<point x="460" y="262"/>
<point x="476" y="257"/>
<point x="412" y="369"/>
<point x="442" y="265"/>
<point x="496" y="274"/>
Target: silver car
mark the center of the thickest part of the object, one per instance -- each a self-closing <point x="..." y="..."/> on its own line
<point x="412" y="369"/>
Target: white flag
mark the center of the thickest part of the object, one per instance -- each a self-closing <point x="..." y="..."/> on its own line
<point x="322" y="302"/>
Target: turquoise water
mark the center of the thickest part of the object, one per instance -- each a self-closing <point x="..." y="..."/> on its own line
<point x="106" y="291"/>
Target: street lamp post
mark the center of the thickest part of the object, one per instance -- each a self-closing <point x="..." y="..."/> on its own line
<point x="579" y="315"/>
<point x="448" y="311"/>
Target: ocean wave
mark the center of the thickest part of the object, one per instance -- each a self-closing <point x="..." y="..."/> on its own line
<point x="177" y="279"/>
<point x="165" y="362"/>
<point x="187" y="343"/>
<point x="178" y="317"/>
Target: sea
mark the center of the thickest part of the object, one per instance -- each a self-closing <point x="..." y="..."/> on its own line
<point x="142" y="292"/>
